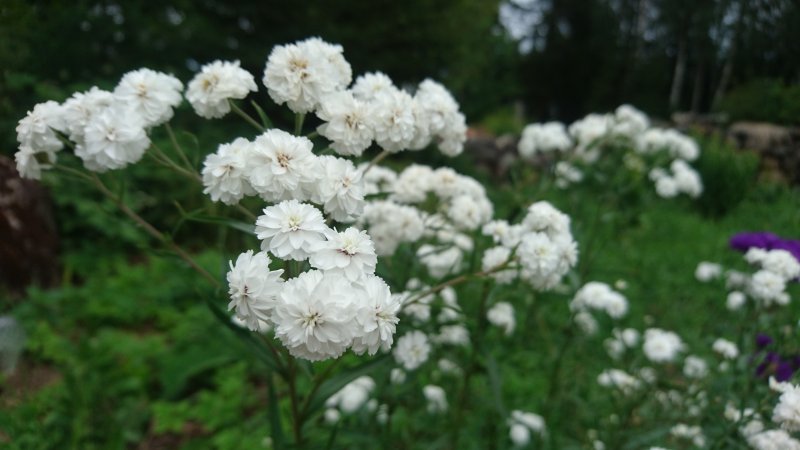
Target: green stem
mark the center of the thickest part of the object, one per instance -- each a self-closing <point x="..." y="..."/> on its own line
<point x="380" y="157"/>
<point x="152" y="231"/>
<point x="297" y="419"/>
<point x="245" y="116"/>
<point x="298" y="124"/>
<point x="178" y="147"/>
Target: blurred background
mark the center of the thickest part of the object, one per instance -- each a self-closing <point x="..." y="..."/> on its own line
<point x="559" y="59"/>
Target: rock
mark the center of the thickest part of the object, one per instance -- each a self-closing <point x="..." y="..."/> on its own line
<point x="29" y="244"/>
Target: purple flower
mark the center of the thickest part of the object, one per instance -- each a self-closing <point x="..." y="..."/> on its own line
<point x="763" y="340"/>
<point x="745" y="241"/>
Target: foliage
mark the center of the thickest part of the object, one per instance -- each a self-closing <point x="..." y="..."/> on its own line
<point x="728" y="175"/>
<point x="766" y="100"/>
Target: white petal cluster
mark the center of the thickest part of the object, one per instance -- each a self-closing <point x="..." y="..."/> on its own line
<point x="521" y="424"/>
<point x="353" y="396"/>
<point x="390" y="224"/>
<point x="629" y="122"/>
<point x="412" y="350"/>
<point x="211" y="90"/>
<point x="37" y="130"/>
<point x="695" y="367"/>
<point x="291" y="230"/>
<point x="349" y="252"/>
<point x="151" y="94"/>
<point x="773" y="440"/>
<point x="347" y="123"/>
<point x="303" y="73"/>
<point x="707" y="271"/>
<point x="436" y="397"/>
<point x="253" y="288"/>
<point x="662" y="346"/>
<point x="620" y="341"/>
<point x="725" y="348"/>
<point x="340" y="189"/>
<point x="691" y="433"/>
<point x="681" y="179"/>
<point x="779" y="262"/>
<point x="787" y="411"/>
<point x="543" y="138"/>
<point x="673" y="142"/>
<point x="502" y="315"/>
<point x="546" y="249"/>
<point x="225" y="173"/>
<point x="496" y="257"/>
<point x="768" y="285"/>
<point x="108" y="129"/>
<point x="619" y="379"/>
<point x="281" y="166"/>
<point x="439" y="112"/>
<point x="599" y="296"/>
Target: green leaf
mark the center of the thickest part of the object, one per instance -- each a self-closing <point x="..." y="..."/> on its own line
<point x="495" y="384"/>
<point x="335" y="384"/>
<point x="262" y="115"/>
<point x="264" y="354"/>
<point x="238" y="225"/>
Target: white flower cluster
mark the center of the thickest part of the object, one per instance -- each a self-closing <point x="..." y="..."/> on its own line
<point x="521" y="424"/>
<point x="680" y="179"/>
<point x="461" y="205"/>
<point x="778" y="267"/>
<point x="694" y="434"/>
<point x="619" y="379"/>
<point x="350" y="398"/>
<point x="108" y="130"/>
<point x="541" y="245"/>
<point x="584" y="141"/>
<point x="211" y="90"/>
<point x="599" y="296"/>
<point x="313" y="76"/>
<point x="543" y="138"/>
<point x="787" y="411"/>
<point x="662" y="346"/>
<point x="707" y="271"/>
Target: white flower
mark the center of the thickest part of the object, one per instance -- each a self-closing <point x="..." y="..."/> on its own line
<point x="781" y="262"/>
<point x="543" y="138"/>
<point x="377" y="179"/>
<point x="253" y="288"/>
<point x="544" y="217"/>
<point x="707" y="271"/>
<point x="538" y="255"/>
<point x="768" y="287"/>
<point x="735" y="300"/>
<point x="218" y="82"/>
<point x="629" y="121"/>
<point x="596" y="295"/>
<point x="37" y="130"/>
<point x="413" y="184"/>
<point x="301" y="74"/>
<point x="340" y="189"/>
<point x="378" y="319"/>
<point x="315" y="315"/>
<point x="502" y="315"/>
<point x="81" y="107"/>
<point x="773" y="440"/>
<point x="666" y="187"/>
<point x="397" y="376"/>
<point x="353" y="396"/>
<point x="521" y="425"/>
<point x="695" y="434"/>
<point x="725" y="348"/>
<point x="349" y="252"/>
<point x="453" y="335"/>
<point x="347" y="123"/>
<point x="695" y="367"/>
<point x="28" y="163"/>
<point x="151" y="94"/>
<point x="393" y="119"/>
<point x="495" y="257"/>
<point x="468" y="212"/>
<point x="225" y="174"/>
<point x="787" y="411"/>
<point x="437" y="400"/>
<point x="113" y="138"/>
<point x="290" y="229"/>
<point x="661" y="346"/>
<point x="619" y="379"/>
<point x="412" y="350"/>
<point x="390" y="224"/>
<point x="372" y="85"/>
<point x="440" y="261"/>
<point x="439" y="111"/>
<point x="281" y="165"/>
